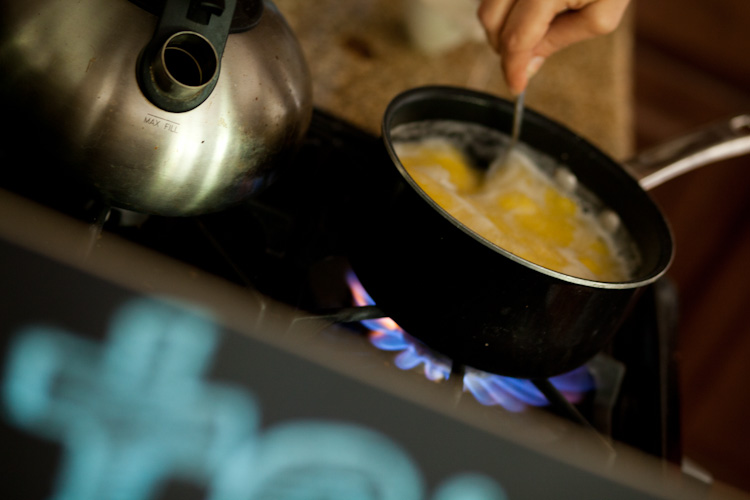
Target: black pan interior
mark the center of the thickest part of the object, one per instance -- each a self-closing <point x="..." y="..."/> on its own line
<point x="595" y="170"/>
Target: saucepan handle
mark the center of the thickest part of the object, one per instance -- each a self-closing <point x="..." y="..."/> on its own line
<point x="713" y="143"/>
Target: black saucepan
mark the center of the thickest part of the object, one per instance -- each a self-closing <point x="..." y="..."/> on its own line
<point x="481" y="305"/>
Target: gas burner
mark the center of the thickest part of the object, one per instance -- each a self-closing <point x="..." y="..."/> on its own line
<point x="489" y="389"/>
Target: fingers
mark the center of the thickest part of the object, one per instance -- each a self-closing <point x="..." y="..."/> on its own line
<point x="598" y="18"/>
<point x="514" y="29"/>
<point x="525" y="32"/>
<point x="492" y="15"/>
<point x="525" y="27"/>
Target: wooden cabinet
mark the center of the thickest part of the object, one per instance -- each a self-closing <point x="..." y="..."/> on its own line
<point x="711" y="35"/>
<point x="692" y="64"/>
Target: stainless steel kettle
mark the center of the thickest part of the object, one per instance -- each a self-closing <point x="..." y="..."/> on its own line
<point x="168" y="107"/>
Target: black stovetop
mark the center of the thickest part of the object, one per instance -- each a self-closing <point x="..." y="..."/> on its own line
<point x="289" y="243"/>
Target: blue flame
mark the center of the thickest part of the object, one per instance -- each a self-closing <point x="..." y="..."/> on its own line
<point x="512" y="394"/>
<point x="411" y="354"/>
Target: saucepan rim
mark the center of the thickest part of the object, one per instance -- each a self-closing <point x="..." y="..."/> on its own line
<point x="439" y="93"/>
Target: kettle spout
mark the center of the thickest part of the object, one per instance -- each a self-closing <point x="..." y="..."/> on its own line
<point x="179" y="67"/>
<point x="185" y="66"/>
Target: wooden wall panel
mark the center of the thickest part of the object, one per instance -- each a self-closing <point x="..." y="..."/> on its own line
<point x="692" y="62"/>
<point x="711" y="34"/>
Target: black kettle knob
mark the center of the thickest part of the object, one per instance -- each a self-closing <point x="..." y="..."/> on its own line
<point x="202" y="10"/>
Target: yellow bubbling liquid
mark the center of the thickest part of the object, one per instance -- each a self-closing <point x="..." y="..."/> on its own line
<point x="520" y="209"/>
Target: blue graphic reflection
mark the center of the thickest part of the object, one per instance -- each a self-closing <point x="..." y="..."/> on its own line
<point x="136" y="411"/>
<point x="327" y="460"/>
<point x="133" y="412"/>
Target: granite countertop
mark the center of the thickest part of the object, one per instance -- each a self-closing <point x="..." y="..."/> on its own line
<point x="363" y="52"/>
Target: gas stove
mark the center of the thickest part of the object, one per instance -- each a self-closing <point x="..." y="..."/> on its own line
<point x="293" y="380"/>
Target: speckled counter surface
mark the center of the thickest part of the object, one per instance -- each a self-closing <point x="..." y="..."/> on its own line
<point x="361" y="55"/>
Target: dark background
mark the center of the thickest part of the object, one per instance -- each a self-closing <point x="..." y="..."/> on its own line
<point x="692" y="66"/>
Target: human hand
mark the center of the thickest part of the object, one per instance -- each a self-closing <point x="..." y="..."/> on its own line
<point x="526" y="32"/>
